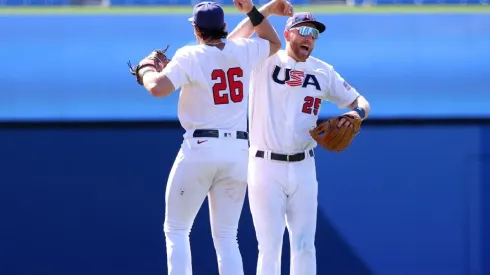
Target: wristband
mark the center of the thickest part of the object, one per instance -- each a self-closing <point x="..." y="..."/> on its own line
<point x="143" y="71"/>
<point x="361" y="112"/>
<point x="255" y="16"/>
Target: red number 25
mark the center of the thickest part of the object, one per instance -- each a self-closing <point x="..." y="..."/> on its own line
<point x="228" y="87"/>
<point x="312" y="104"/>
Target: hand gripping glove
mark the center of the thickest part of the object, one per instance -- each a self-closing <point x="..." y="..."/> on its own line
<point x="333" y="138"/>
<point x="156" y="61"/>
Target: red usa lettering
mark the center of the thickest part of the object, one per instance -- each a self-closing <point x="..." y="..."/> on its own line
<point x="296" y="78"/>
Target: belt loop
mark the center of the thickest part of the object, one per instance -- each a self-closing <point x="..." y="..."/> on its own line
<point x="189" y="133"/>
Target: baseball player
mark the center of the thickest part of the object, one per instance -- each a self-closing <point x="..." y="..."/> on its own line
<point x="287" y="90"/>
<point x="213" y="158"/>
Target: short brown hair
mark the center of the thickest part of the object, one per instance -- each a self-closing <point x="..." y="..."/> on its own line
<point x="207" y="34"/>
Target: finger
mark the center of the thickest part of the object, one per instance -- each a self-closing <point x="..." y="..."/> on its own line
<point x="290" y="8"/>
<point x="341" y="122"/>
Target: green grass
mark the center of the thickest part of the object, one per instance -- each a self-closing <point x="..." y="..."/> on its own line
<point x="319" y="9"/>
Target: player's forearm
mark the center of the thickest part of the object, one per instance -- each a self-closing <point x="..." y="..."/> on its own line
<point x="157" y="84"/>
<point x="245" y="29"/>
<point x="362" y="104"/>
<point x="264" y="30"/>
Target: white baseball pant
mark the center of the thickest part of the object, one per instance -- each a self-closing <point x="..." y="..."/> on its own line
<point x="284" y="194"/>
<point x="216" y="168"/>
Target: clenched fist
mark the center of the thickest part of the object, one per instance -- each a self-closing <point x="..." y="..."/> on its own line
<point x="280" y="7"/>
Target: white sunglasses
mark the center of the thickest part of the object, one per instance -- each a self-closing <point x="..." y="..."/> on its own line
<point x="305" y="31"/>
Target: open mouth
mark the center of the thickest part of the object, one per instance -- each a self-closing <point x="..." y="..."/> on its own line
<point x="304" y="47"/>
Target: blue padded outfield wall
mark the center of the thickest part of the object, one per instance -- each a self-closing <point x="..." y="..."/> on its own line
<point x="401" y="200"/>
<point x="90" y="200"/>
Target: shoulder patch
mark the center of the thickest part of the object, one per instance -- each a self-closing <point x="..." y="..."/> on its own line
<point x="347" y="86"/>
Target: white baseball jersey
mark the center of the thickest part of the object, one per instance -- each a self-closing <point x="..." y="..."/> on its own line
<point x="215" y="83"/>
<point x="285" y="101"/>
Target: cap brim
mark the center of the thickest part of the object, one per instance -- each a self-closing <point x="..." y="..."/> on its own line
<point x="318" y="25"/>
<point x="191" y="19"/>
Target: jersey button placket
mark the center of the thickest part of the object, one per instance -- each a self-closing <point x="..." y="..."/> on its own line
<point x="289" y="124"/>
<point x="292" y="109"/>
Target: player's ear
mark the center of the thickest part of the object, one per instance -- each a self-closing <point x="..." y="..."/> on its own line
<point x="196" y="34"/>
<point x="286" y="35"/>
<point x="224" y="27"/>
<point x="196" y="31"/>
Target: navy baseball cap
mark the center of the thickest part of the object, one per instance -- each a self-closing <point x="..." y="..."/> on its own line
<point x="208" y="15"/>
<point x="304" y="17"/>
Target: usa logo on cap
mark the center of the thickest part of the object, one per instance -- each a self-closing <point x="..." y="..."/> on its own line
<point x="304" y="17"/>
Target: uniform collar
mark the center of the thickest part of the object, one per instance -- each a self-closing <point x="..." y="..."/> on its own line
<point x="292" y="62"/>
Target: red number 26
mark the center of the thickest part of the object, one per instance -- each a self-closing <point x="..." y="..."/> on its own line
<point x="227" y="81"/>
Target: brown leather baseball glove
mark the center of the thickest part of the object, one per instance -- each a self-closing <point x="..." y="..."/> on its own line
<point x="156" y="61"/>
<point x="333" y="138"/>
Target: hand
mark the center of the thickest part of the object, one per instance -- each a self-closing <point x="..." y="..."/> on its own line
<point x="346" y="123"/>
<point x="280" y="7"/>
<point x="155" y="61"/>
<point x="159" y="58"/>
<point x="244" y="6"/>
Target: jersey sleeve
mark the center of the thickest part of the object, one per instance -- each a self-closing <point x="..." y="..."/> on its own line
<point x="178" y="69"/>
<point x="258" y="50"/>
<point x="338" y="90"/>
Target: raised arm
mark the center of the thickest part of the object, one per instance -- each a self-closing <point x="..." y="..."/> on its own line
<point x="257" y="22"/>
<point x="245" y="28"/>
<point x="169" y="77"/>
